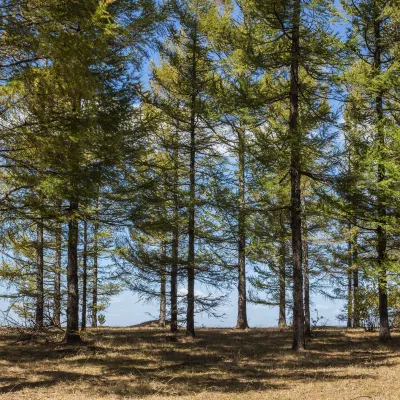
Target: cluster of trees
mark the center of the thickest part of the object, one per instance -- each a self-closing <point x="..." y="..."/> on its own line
<point x="260" y="133"/>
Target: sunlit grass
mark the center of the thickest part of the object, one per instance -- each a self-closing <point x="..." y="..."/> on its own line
<point x="126" y="363"/>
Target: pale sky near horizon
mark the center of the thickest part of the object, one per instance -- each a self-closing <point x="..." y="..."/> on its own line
<point x="126" y="310"/>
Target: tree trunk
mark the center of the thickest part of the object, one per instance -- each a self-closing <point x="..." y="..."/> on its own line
<point x="192" y="196"/>
<point x="295" y="144"/>
<point x="57" y="274"/>
<point x="356" y="299"/>
<point x="175" y="248"/>
<point x="190" y="295"/>
<point x="282" y="273"/>
<point x="39" y="277"/>
<point x="72" y="334"/>
<point x="350" y="313"/>
<point x="307" y="315"/>
<point x="95" y="272"/>
<point x="384" y="334"/>
<point x="163" y="292"/>
<point x="84" y="277"/>
<point x="242" y="312"/>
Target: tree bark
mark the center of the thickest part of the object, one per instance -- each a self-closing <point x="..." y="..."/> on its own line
<point x="384" y="334"/>
<point x="295" y="147"/>
<point x="84" y="276"/>
<point x="39" y="315"/>
<point x="72" y="334"/>
<point x="175" y="247"/>
<point x="57" y="274"/>
<point x="350" y="299"/>
<point x="356" y="295"/>
<point x="163" y="287"/>
<point x="192" y="196"/>
<point x="307" y="315"/>
<point x="242" y="303"/>
<point x="95" y="271"/>
<point x="282" y="273"/>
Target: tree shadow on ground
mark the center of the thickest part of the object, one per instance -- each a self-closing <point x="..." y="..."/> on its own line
<point x="144" y="362"/>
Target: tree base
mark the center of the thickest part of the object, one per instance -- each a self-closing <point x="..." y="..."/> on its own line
<point x="73" y="339"/>
<point x="242" y="326"/>
<point x="384" y="335"/>
<point x="190" y="333"/>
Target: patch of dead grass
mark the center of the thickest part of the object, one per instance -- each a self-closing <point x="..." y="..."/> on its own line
<point x="221" y="364"/>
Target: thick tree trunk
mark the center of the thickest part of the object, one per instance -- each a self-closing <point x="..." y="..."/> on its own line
<point x="307" y="315"/>
<point x="163" y="287"/>
<point x="192" y="197"/>
<point x="384" y="334"/>
<point x="242" y="303"/>
<point x="95" y="273"/>
<point x="57" y="275"/>
<point x="175" y="248"/>
<point x="84" y="276"/>
<point x="295" y="144"/>
<point x="39" y="277"/>
<point x="72" y="334"/>
<point x="282" y="273"/>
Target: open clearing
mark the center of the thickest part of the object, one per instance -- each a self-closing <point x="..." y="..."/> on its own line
<point x="131" y="363"/>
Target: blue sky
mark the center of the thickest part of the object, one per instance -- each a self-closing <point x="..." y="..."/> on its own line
<point x="126" y="310"/>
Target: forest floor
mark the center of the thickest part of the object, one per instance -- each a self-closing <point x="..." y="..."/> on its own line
<point x="220" y="364"/>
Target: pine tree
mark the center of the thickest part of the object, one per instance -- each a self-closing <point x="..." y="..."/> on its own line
<point x="370" y="126"/>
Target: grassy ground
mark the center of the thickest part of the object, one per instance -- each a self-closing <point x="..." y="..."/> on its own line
<point x="221" y="364"/>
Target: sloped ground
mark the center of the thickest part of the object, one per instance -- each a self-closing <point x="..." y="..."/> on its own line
<point x="221" y="364"/>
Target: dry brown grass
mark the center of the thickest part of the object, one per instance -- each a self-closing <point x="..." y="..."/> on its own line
<point x="221" y="364"/>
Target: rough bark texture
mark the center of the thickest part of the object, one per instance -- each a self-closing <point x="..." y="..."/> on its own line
<point x="307" y="315"/>
<point x="72" y="333"/>
<point x="242" y="301"/>
<point x="356" y="298"/>
<point x="295" y="144"/>
<point x="95" y="274"/>
<point x="384" y="333"/>
<point x="163" y="287"/>
<point x="57" y="277"/>
<point x="39" y="314"/>
<point x="350" y="299"/>
<point x="175" y="249"/>
<point x="84" y="276"/>
<point x="192" y="197"/>
<point x="282" y="273"/>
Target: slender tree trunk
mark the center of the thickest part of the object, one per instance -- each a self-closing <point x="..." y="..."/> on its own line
<point x="57" y="274"/>
<point x="356" y="296"/>
<point x="349" y="300"/>
<point x="307" y="315"/>
<point x="282" y="273"/>
<point x="295" y="144"/>
<point x="39" y="276"/>
<point x="163" y="288"/>
<point x="192" y="197"/>
<point x="175" y="248"/>
<point x="72" y="334"/>
<point x="191" y="267"/>
<point x="95" y="271"/>
<point x="350" y="311"/>
<point x="384" y="334"/>
<point x="242" y="303"/>
<point x="84" y="276"/>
